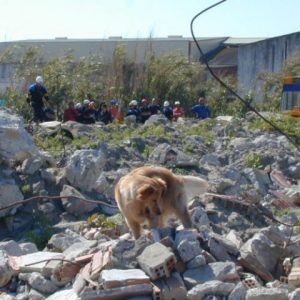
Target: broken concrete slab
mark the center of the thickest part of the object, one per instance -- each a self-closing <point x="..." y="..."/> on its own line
<point x="294" y="277"/>
<point x="65" y="272"/>
<point x="116" y="278"/>
<point x="223" y="271"/>
<point x="33" y="262"/>
<point x="262" y="293"/>
<point x="78" y="249"/>
<point x="214" y="287"/>
<point x="118" y="293"/>
<point x="64" y="295"/>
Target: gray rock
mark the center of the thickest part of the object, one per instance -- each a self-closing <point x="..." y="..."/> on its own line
<point x="75" y="205"/>
<point x="241" y="144"/>
<point x="5" y="272"/>
<point x="157" y="119"/>
<point x="234" y="238"/>
<point x="166" y="154"/>
<point x="199" y="217"/>
<point x="106" y="182"/>
<point x="28" y="248"/>
<point x="39" y="283"/>
<point x="214" y="287"/>
<point x="223" y="271"/>
<point x="295" y="295"/>
<point x="35" y="295"/>
<point x="84" y="167"/>
<point x="9" y="194"/>
<point x="189" y="249"/>
<point x="11" y="248"/>
<point x="210" y="159"/>
<point x="266" y="252"/>
<point x="62" y="241"/>
<point x="196" y="262"/>
<point x="239" y="292"/>
<point x="15" y="142"/>
<point x="186" y="234"/>
<point x="294" y="171"/>
<point x="49" y="175"/>
<point x="259" y="179"/>
<point x="125" y="252"/>
<point x="262" y="293"/>
<point x="31" y="165"/>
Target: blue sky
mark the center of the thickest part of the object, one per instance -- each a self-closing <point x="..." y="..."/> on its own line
<point x="38" y="19"/>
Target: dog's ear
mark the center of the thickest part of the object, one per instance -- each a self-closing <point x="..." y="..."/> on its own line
<point x="162" y="185"/>
<point x="145" y="191"/>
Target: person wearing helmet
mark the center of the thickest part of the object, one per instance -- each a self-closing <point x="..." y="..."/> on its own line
<point x="144" y="111"/>
<point x="36" y="93"/>
<point x="133" y="110"/>
<point x="86" y="102"/>
<point x="154" y="107"/>
<point x="178" y="111"/>
<point x="168" y="111"/>
<point x="87" y="116"/>
<point x="201" y="110"/>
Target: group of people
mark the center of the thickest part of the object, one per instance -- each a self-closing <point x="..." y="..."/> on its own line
<point x="87" y="112"/>
<point x="143" y="111"/>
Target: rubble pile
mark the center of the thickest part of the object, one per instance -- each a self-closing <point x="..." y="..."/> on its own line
<point x="245" y="243"/>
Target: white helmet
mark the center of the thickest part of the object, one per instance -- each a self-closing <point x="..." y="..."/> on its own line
<point x="78" y="105"/>
<point x="86" y="102"/>
<point x="133" y="103"/>
<point x="166" y="103"/>
<point x="177" y="103"/>
<point x="39" y="79"/>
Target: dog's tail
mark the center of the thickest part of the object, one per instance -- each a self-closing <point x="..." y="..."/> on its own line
<point x="194" y="186"/>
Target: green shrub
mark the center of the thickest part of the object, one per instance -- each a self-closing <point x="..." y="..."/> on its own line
<point x="100" y="220"/>
<point x="253" y="160"/>
<point x="26" y="189"/>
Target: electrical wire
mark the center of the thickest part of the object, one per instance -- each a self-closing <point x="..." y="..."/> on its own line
<point x="56" y="198"/>
<point x="295" y="141"/>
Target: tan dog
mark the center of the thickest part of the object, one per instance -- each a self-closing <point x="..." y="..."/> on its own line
<point x="153" y="193"/>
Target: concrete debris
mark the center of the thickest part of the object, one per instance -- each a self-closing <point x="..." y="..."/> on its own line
<point x="58" y="249"/>
<point x="157" y="261"/>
